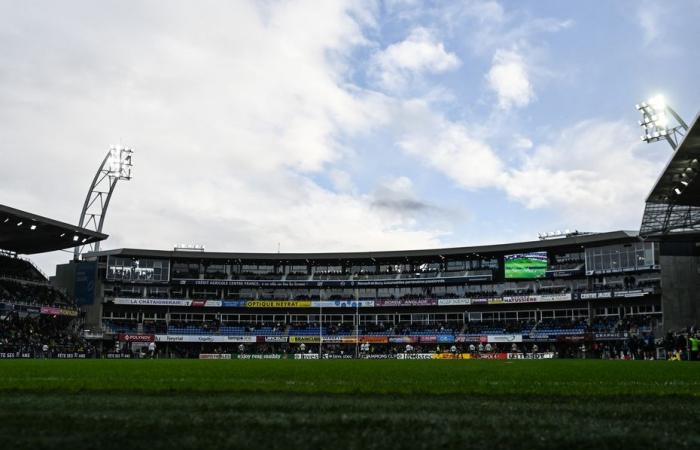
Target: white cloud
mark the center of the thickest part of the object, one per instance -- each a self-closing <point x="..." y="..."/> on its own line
<point x="231" y="112"/>
<point x="508" y="78"/>
<point x="522" y="143"/>
<point x="595" y="174"/>
<point x="448" y="147"/>
<point x="419" y="53"/>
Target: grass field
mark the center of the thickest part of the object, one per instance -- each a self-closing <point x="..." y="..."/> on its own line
<point x="349" y="404"/>
<point x="525" y="268"/>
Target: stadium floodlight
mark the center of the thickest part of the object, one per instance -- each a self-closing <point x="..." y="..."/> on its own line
<point x="119" y="163"/>
<point x="116" y="165"/>
<point x="656" y="123"/>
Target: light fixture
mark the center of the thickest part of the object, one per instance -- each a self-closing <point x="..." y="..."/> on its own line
<point x="119" y="163"/>
<point x="677" y="191"/>
<point x="656" y="122"/>
<point x="33" y="227"/>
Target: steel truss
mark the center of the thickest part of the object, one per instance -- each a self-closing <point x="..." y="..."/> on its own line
<point x="115" y="166"/>
<point x="664" y="218"/>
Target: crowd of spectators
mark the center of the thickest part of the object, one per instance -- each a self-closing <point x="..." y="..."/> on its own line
<point x="42" y="335"/>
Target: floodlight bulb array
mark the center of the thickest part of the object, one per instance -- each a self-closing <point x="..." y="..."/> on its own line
<point x="119" y="163"/>
<point x="655" y="121"/>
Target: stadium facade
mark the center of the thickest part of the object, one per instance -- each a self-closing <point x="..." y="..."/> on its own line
<point x="573" y="289"/>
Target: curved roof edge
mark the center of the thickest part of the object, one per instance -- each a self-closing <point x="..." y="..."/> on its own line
<point x="572" y="241"/>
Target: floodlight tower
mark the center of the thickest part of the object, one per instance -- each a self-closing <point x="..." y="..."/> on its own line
<point x="115" y="166"/>
<point x="655" y="122"/>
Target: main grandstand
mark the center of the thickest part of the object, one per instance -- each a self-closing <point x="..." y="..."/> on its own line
<point x="602" y="289"/>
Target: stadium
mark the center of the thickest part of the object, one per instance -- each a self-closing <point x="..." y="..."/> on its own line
<point x="576" y="338"/>
<point x="593" y="297"/>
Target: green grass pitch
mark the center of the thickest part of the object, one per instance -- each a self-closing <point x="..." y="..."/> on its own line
<point x="526" y="268"/>
<point x="339" y="404"/>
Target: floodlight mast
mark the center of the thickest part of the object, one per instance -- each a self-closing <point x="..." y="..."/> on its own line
<point x="115" y="166"/>
<point x="655" y="122"/>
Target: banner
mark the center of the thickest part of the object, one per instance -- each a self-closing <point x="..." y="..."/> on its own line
<point x="481" y="301"/>
<point x="504" y="338"/>
<point x="545" y="355"/>
<point x="118" y="355"/>
<point x="258" y="356"/>
<point x="276" y="339"/>
<point x="306" y="356"/>
<point x="490" y="356"/>
<point x="452" y="356"/>
<point x="304" y="339"/>
<point x="427" y="339"/>
<point x="517" y="299"/>
<point x="151" y="302"/>
<point x="374" y="339"/>
<point x="407" y="302"/>
<point x="233" y="303"/>
<point x="73" y="355"/>
<point x="595" y="295"/>
<point x="454" y="302"/>
<point x="84" y="287"/>
<point x="342" y="304"/>
<point x="126" y="337"/>
<point x="278" y="304"/>
<point x="213" y="303"/>
<point x="202" y="339"/>
<point x="53" y="311"/>
<point x="403" y="339"/>
<point x="445" y="338"/>
<point x="414" y="356"/>
<point x="554" y="297"/>
<point x="15" y="355"/>
<point x="465" y="338"/>
<point x="214" y="356"/>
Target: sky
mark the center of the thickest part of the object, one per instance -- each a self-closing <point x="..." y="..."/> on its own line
<point x="340" y="125"/>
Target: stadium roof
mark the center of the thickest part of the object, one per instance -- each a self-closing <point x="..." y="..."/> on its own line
<point x="686" y="156"/>
<point x="570" y="242"/>
<point x="673" y="206"/>
<point x="26" y="233"/>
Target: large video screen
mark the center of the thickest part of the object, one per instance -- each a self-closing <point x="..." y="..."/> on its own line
<point x="526" y="265"/>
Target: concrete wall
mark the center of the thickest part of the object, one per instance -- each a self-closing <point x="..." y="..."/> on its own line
<point x="680" y="283"/>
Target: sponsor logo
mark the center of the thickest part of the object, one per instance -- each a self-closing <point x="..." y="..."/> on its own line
<point x="414" y="356"/>
<point x="454" y="301"/>
<point x="278" y="304"/>
<point x="152" y="302"/>
<point x="504" y="338"/>
<point x="255" y="356"/>
<point x="214" y="356"/>
<point x="275" y="338"/>
<point x="125" y="337"/>
<point x="546" y="355"/>
<point x="306" y="356"/>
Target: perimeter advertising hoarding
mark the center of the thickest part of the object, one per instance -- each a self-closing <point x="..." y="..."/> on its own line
<point x="278" y="304"/>
<point x="525" y="265"/>
<point x="504" y="338"/>
<point x="407" y="302"/>
<point x="127" y="337"/>
<point x="203" y="339"/>
<point x="304" y="339"/>
<point x="151" y="302"/>
<point x="454" y="301"/>
<point x="403" y="339"/>
<point x="54" y="311"/>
